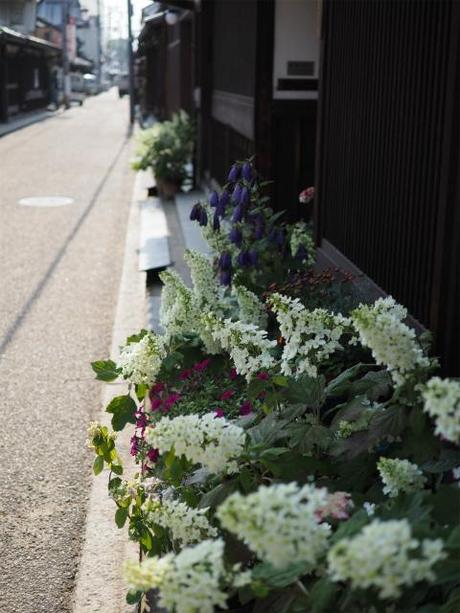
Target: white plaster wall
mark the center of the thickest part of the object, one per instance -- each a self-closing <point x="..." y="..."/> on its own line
<point x="296" y="39"/>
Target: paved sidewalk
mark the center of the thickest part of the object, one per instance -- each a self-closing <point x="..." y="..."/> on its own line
<point x="27" y="119"/>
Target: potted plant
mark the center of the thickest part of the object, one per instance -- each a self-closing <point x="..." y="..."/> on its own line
<point x="167" y="148"/>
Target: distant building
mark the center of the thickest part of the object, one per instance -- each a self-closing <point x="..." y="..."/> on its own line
<point x="25" y="61"/>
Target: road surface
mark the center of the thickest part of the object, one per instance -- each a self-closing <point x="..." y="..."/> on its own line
<point x="59" y="275"/>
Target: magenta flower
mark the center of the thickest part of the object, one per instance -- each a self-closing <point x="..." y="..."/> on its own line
<point x="141" y="420"/>
<point x="262" y="375"/>
<point x="185" y="374"/>
<point x="307" y="195"/>
<point x="170" y="401"/>
<point x="219" y="412"/>
<point x="134" y="447"/>
<point x="246" y="408"/>
<point x="156" y="403"/>
<point x="157" y="388"/>
<point x="226" y="395"/>
<point x="153" y="455"/>
<point x="200" y="366"/>
<point x="233" y="374"/>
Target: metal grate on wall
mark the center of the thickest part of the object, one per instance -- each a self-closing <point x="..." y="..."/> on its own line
<point x="382" y="117"/>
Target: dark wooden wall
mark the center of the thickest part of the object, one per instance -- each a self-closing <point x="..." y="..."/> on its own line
<point x="388" y="144"/>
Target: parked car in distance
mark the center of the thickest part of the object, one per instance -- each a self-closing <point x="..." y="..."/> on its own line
<point x="90" y="84"/>
<point x="123" y="84"/>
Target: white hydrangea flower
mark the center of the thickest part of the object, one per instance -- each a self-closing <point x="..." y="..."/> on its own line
<point x="214" y="443"/>
<point x="384" y="556"/>
<point x="310" y="336"/>
<point x="393" y="344"/>
<point x="192" y="581"/>
<point x="205" y="287"/>
<point x="399" y="476"/>
<point x="442" y="403"/>
<point x="141" y="362"/>
<point x="247" y="344"/>
<point x="280" y="523"/>
<point x="251" y="309"/>
<point x="95" y="429"/>
<point x="301" y="236"/>
<point x="186" y="524"/>
<point x="177" y="308"/>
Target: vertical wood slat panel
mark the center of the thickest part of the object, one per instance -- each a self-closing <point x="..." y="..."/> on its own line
<point x="382" y="110"/>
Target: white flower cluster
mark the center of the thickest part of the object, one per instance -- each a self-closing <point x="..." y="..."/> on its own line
<point x="399" y="476"/>
<point x="141" y="362"/>
<point x="247" y="344"/>
<point x="310" y="336"/>
<point x="217" y="240"/>
<point x="177" y="308"/>
<point x="97" y="430"/>
<point x="280" y="523"/>
<point x="393" y="344"/>
<point x="205" y="288"/>
<point x="192" y="581"/>
<point x="251" y="309"/>
<point x="442" y="403"/>
<point x="187" y="525"/>
<point x="214" y="443"/>
<point x="384" y="556"/>
<point x="301" y="236"/>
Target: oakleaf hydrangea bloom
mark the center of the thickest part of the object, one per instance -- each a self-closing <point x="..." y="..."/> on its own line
<point x="98" y="431"/>
<point x="214" y="443"/>
<point x="251" y="309"/>
<point x="141" y="362"/>
<point x="384" y="556"/>
<point x="177" y="309"/>
<point x="310" y="336"/>
<point x="247" y="344"/>
<point x="280" y="523"/>
<point x="393" y="344"/>
<point x="187" y="525"/>
<point x="302" y="242"/>
<point x="442" y="403"/>
<point x="400" y="476"/>
<point x="192" y="581"/>
<point x="205" y="287"/>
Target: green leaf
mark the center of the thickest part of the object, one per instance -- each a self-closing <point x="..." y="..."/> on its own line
<point x="280" y="380"/>
<point x="280" y="578"/>
<point x="123" y="409"/>
<point x="141" y="391"/>
<point x="98" y="465"/>
<point x="217" y="495"/>
<point x="121" y="516"/>
<point x="134" y="597"/>
<point x="117" y="469"/>
<point x="106" y="370"/>
<point x="453" y="604"/>
<point x="146" y="539"/>
<point x="374" y="385"/>
<point x="341" y="384"/>
<point x="322" y="595"/>
<point x="306" y="390"/>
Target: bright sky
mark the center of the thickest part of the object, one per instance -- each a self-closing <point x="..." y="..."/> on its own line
<point x="113" y="12"/>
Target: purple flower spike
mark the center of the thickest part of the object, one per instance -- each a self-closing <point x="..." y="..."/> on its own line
<point x="235" y="236"/>
<point x="234" y="173"/>
<point x="259" y="232"/>
<point x="223" y="201"/>
<point x="244" y="196"/>
<point x="195" y="212"/>
<point x="236" y="193"/>
<point x="213" y="199"/>
<point x="238" y="214"/>
<point x="302" y="253"/>
<point x="203" y="218"/>
<point x="243" y="259"/>
<point x="225" y="277"/>
<point x="280" y="238"/>
<point x="246" y="171"/>
<point x="216" y="222"/>
<point x="273" y="235"/>
<point x="253" y="257"/>
<point x="225" y="261"/>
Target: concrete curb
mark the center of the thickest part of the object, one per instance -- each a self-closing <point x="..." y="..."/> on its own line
<point x="27" y="120"/>
<point x="99" y="584"/>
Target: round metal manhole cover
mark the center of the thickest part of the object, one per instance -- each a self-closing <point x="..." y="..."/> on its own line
<point x="46" y="201"/>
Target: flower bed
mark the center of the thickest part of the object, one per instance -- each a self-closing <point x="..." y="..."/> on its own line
<point x="296" y="450"/>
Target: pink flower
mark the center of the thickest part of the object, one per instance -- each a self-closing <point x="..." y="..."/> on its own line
<point x="233" y="374"/>
<point x="157" y="388"/>
<point x="153" y="455"/>
<point x="307" y="195"/>
<point x="338" y="506"/>
<point x="262" y="375"/>
<point x="246" y="408"/>
<point x="226" y="395"/>
<point x="170" y="401"/>
<point x="185" y="374"/>
<point x="200" y="366"/>
<point x="219" y="412"/>
<point x="156" y="403"/>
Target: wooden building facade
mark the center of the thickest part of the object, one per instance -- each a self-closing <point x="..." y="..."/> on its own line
<point x="388" y="176"/>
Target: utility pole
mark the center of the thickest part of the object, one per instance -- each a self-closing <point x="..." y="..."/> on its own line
<point x="65" y="54"/>
<point x="130" y="64"/>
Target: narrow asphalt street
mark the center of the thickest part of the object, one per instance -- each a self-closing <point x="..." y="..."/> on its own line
<point x="59" y="275"/>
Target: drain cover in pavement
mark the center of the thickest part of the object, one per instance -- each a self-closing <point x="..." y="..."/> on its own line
<point x="46" y="201"/>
